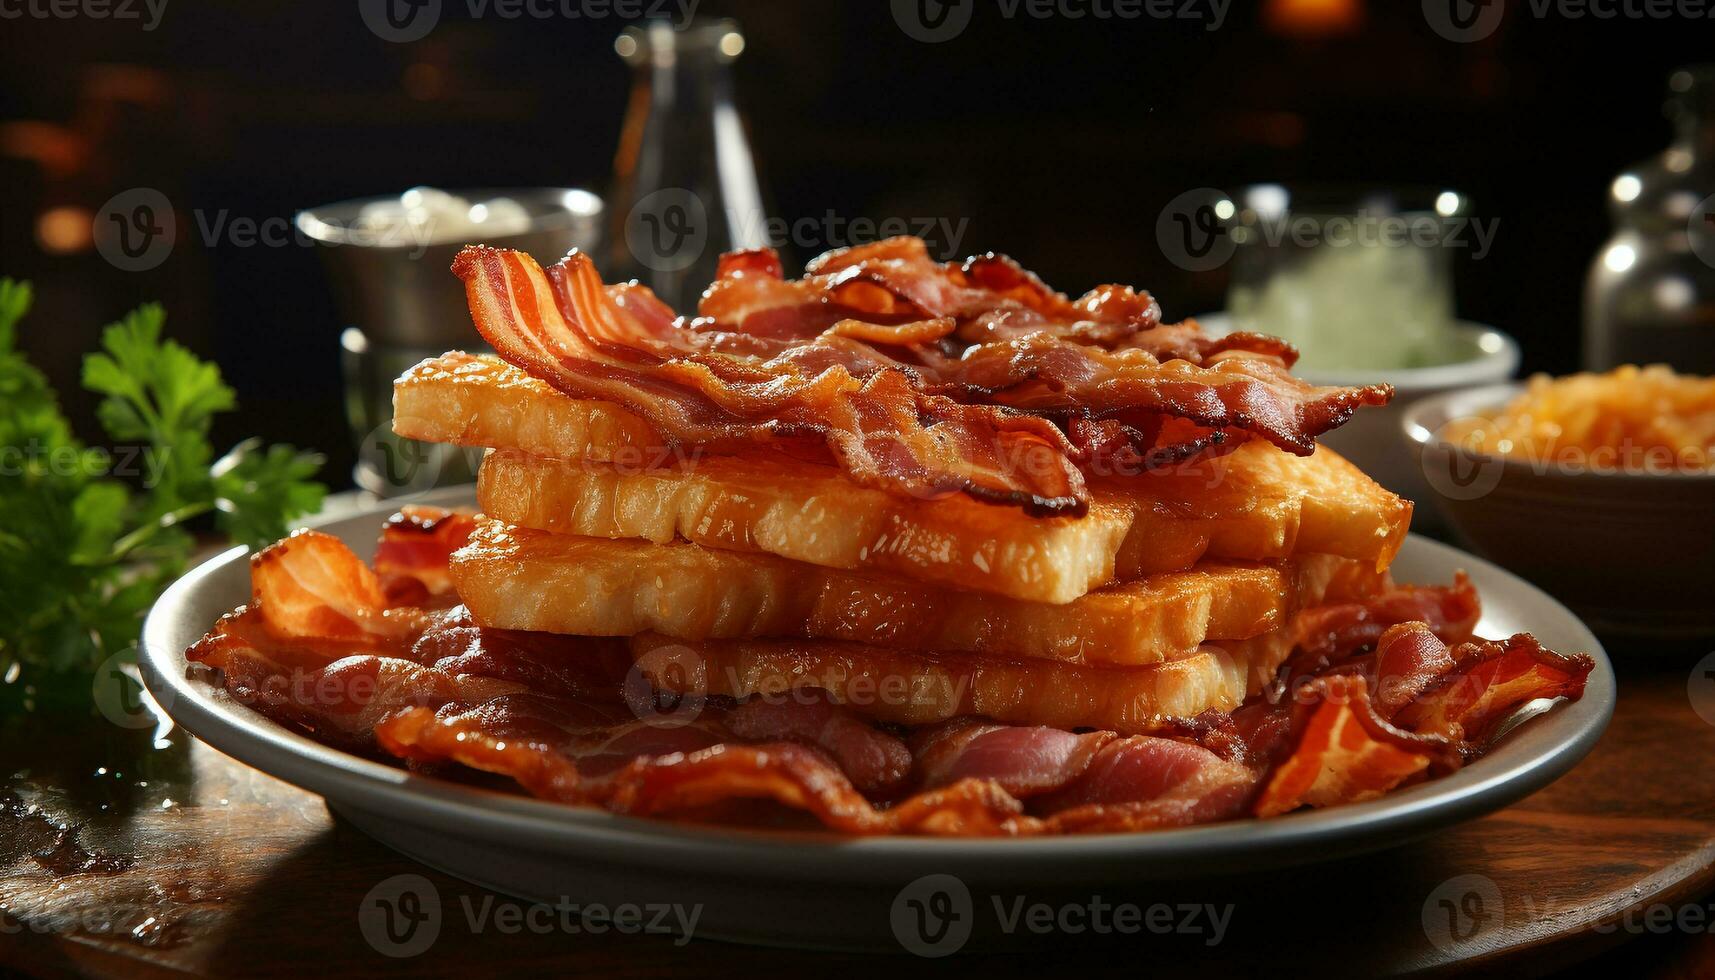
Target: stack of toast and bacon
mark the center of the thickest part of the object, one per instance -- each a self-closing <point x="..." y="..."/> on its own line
<point x="745" y="570"/>
<point x="748" y="568"/>
<point x="896" y="547"/>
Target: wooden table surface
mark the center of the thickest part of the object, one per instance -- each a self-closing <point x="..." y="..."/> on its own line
<point x="118" y="857"/>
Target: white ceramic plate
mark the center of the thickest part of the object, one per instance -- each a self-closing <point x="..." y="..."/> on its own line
<point x="822" y="890"/>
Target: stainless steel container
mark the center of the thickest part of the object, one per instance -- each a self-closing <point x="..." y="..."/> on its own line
<point x="402" y="304"/>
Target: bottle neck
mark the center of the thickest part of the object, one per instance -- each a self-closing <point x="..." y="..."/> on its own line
<point x="1695" y="132"/>
<point x="1691" y="106"/>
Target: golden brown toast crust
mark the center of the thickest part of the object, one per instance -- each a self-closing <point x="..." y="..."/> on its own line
<point x="522" y="579"/>
<point x="1142" y="526"/>
<point x="809" y="514"/>
<point x="594" y="469"/>
<point x="910" y="688"/>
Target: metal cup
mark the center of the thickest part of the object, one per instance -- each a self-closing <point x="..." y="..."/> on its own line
<point x="402" y="304"/>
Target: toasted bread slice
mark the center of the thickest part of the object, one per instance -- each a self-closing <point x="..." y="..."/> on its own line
<point x="1255" y="504"/>
<point x="906" y="688"/>
<point x="520" y="579"/>
<point x="471" y="400"/>
<point x="810" y="514"/>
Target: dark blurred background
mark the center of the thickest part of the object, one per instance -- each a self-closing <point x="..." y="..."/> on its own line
<point x="1059" y="139"/>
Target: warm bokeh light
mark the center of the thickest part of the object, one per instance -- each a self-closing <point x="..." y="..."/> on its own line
<point x="1313" y="18"/>
<point x="65" y="229"/>
<point x="1619" y="258"/>
<point x="424" y="81"/>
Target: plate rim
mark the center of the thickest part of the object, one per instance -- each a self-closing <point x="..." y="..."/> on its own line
<point x="348" y="780"/>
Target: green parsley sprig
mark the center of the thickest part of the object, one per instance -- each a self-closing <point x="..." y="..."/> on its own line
<point x="90" y="536"/>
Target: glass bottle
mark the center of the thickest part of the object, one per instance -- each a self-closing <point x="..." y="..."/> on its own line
<point x="1650" y="297"/>
<point x="685" y="185"/>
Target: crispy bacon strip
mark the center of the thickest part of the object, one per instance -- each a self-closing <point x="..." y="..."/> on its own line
<point x="1023" y="344"/>
<point x="1412" y="707"/>
<point x="1024" y="761"/>
<point x="837" y="391"/>
<point x="1048" y="376"/>
<point x="322" y="649"/>
<point x="314" y="590"/>
<point x="875" y="761"/>
<point x="1487" y="681"/>
<point x="412" y="557"/>
<point x="1341" y="751"/>
<point x="1146" y="783"/>
<point x="911" y="376"/>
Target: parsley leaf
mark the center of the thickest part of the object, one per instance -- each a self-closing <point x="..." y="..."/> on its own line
<point x="159" y="395"/>
<point x="83" y="552"/>
<point x="258" y="488"/>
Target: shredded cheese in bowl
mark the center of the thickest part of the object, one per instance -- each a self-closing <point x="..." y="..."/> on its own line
<point x="1630" y="419"/>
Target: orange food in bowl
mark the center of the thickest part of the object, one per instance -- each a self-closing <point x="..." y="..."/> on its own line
<point x="1631" y="419"/>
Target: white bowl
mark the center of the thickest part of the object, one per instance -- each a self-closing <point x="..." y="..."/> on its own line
<point x="1374" y="438"/>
